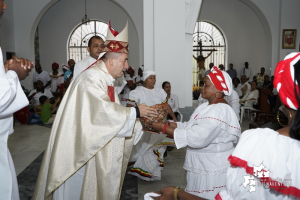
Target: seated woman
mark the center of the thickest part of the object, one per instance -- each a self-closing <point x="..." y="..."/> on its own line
<point x="250" y="97"/>
<point x="172" y="99"/>
<point x="151" y="147"/>
<point x="270" y="159"/>
<point x="209" y="135"/>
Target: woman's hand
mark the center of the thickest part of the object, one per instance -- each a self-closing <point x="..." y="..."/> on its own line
<point x="166" y="193"/>
<point x="158" y="126"/>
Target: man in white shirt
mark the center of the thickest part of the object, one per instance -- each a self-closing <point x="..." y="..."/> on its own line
<point x="247" y="71"/>
<point x="41" y="74"/>
<point x="95" y="47"/>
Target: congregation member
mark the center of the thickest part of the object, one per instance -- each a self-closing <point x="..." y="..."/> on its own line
<point x="247" y="71"/>
<point x="94" y="132"/>
<point x="42" y="75"/>
<point x="173" y="100"/>
<point x="69" y="73"/>
<point x="95" y="47"/>
<point x="269" y="158"/>
<point x="148" y="159"/>
<point x="251" y="96"/>
<point x="244" y="87"/>
<point x="68" y="76"/>
<point x="201" y="65"/>
<point x="260" y="77"/>
<point x="236" y="83"/>
<point x="129" y="86"/>
<point x="12" y="99"/>
<point x="232" y="72"/>
<point x="267" y="83"/>
<point x="38" y="92"/>
<point x="54" y="75"/>
<point x="210" y="136"/>
<point x="47" y="112"/>
<point x="138" y="79"/>
<point x="221" y="67"/>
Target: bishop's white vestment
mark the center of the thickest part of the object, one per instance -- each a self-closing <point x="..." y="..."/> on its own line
<point x="88" y="139"/>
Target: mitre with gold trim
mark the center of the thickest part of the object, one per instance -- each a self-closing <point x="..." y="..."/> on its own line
<point x="116" y="42"/>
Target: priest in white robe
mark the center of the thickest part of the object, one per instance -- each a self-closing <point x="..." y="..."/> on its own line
<point x="92" y="136"/>
<point x="12" y="99"/>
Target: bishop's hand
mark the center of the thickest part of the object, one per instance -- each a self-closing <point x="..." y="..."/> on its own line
<point x="147" y="112"/>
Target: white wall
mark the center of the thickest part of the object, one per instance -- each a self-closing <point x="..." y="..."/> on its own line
<point x="26" y="17"/>
<point x="57" y="23"/>
<point x="246" y="40"/>
<point x="290" y="20"/>
<point x="7" y="35"/>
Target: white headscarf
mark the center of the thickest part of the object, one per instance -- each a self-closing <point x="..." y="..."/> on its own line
<point x="147" y="73"/>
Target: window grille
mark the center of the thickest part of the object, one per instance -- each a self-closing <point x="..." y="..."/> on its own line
<point x="78" y="41"/>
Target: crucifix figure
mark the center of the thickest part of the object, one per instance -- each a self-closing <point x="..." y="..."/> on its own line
<point x="201" y="60"/>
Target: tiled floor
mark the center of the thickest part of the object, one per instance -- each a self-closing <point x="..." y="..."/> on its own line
<point x="28" y="142"/>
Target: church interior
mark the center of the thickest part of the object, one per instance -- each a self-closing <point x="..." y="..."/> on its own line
<point x="163" y="36"/>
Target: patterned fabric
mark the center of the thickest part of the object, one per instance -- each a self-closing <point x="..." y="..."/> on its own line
<point x="284" y="80"/>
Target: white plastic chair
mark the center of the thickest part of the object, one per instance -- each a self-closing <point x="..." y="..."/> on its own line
<point x="247" y="107"/>
<point x="181" y="116"/>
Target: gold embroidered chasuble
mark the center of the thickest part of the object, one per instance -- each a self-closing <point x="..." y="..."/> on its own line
<point x="84" y="133"/>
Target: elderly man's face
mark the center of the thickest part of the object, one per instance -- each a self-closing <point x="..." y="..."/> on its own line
<point x="243" y="79"/>
<point x="119" y="66"/>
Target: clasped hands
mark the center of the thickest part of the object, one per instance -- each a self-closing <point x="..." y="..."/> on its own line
<point x="20" y="65"/>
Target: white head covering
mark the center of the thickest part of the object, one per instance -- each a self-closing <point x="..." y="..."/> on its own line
<point x="65" y="66"/>
<point x="221" y="80"/>
<point x="147" y="73"/>
<point x="142" y="67"/>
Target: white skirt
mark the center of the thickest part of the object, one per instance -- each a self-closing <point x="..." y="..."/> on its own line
<point x="206" y="173"/>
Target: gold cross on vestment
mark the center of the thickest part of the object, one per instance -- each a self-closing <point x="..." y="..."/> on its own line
<point x="112" y="46"/>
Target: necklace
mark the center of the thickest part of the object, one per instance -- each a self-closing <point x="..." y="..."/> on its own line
<point x="217" y="101"/>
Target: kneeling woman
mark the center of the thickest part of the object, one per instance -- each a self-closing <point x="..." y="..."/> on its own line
<point x="209" y="136"/>
<point x="148" y="152"/>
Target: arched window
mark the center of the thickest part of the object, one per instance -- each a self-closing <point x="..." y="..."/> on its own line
<point x="79" y="38"/>
<point x="207" y="37"/>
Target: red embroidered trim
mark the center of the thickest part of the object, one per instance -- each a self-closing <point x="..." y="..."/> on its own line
<point x="218" y="197"/>
<point x="219" y="121"/>
<point x="205" y="190"/>
<point x="279" y="187"/>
